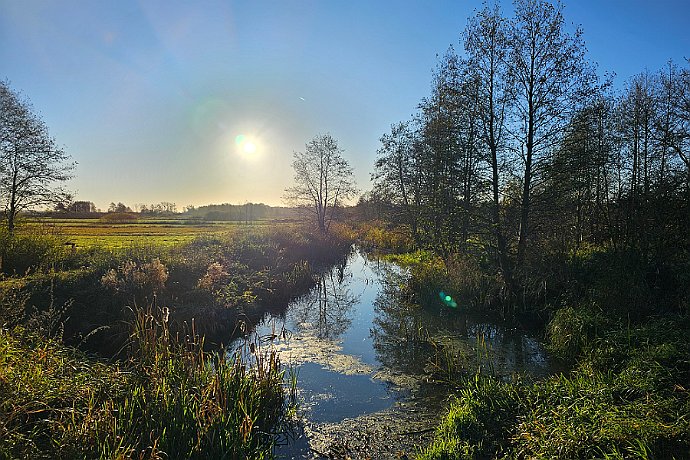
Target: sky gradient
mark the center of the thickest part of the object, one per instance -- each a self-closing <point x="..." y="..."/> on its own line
<point x="149" y="96"/>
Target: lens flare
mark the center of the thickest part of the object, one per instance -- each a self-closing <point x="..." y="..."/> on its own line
<point x="447" y="300"/>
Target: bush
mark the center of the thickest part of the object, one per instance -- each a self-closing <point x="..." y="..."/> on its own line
<point x="627" y="398"/>
<point x="22" y="253"/>
<point x="137" y="279"/>
<point x="383" y="237"/>
<point x="572" y="331"/>
<point x="593" y="414"/>
<point x="479" y="421"/>
<point x="119" y="217"/>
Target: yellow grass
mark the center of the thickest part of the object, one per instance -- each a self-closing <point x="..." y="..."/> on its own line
<point x="87" y="233"/>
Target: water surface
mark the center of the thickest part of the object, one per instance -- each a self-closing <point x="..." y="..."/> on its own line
<point x="364" y="355"/>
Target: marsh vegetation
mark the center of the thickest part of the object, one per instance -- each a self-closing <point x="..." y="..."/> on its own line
<point x="515" y="284"/>
<point x="116" y="350"/>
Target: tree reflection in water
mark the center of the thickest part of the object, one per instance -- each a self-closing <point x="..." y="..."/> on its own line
<point x="399" y="330"/>
<point x="412" y="339"/>
<point x="327" y="310"/>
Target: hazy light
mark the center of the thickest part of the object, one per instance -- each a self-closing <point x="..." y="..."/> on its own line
<point x="249" y="147"/>
<point x="245" y="144"/>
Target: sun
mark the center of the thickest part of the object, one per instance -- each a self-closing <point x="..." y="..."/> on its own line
<point x="245" y="144"/>
<point x="249" y="147"/>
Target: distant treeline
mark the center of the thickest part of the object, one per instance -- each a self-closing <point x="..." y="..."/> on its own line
<point x="222" y="212"/>
<point x="241" y="212"/>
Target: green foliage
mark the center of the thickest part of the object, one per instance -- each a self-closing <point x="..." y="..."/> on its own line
<point x="47" y="393"/>
<point x="119" y="217"/>
<point x="381" y="237"/>
<point x="222" y="275"/>
<point x="460" y="276"/>
<point x="12" y="304"/>
<point x="136" y="280"/>
<point x="573" y="331"/>
<point x="21" y="253"/>
<point x="478" y="422"/>
<point x="596" y="413"/>
<point x="627" y="398"/>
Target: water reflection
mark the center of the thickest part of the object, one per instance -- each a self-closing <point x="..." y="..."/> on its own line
<point x="361" y="348"/>
<point x="441" y="341"/>
<point x="326" y="311"/>
<point x="398" y="327"/>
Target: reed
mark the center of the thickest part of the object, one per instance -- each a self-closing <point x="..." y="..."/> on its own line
<point x="168" y="399"/>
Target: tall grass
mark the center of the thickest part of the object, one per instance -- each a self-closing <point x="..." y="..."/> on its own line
<point x="478" y="423"/>
<point x="627" y="397"/>
<point x="169" y="399"/>
<point x="22" y="252"/>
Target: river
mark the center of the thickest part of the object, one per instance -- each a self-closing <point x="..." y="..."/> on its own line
<point x="367" y="362"/>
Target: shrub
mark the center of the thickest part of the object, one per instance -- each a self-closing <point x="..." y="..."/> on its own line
<point x="21" y="253"/>
<point x="169" y="399"/>
<point x="137" y="280"/>
<point x="119" y="217"/>
<point x="478" y="423"/>
<point x="572" y="331"/>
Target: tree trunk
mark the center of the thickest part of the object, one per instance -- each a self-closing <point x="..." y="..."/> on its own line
<point x="525" y="206"/>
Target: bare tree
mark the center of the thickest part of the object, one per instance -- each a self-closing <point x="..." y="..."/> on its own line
<point x="676" y="127"/>
<point x="548" y="67"/>
<point x="323" y="180"/>
<point x="486" y="44"/>
<point x="396" y="172"/>
<point x="31" y="164"/>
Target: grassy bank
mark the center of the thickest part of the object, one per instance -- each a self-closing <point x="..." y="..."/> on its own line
<point x="112" y="351"/>
<point x="627" y="397"/>
<point x="168" y="399"/>
<point x="217" y="278"/>
<point x="616" y="319"/>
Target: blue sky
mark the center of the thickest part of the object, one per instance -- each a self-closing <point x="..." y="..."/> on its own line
<point x="149" y="96"/>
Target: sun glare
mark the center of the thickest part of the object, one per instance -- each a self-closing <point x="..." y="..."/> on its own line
<point x="245" y="145"/>
<point x="249" y="147"/>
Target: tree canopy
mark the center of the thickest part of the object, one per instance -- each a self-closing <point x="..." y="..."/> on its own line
<point x="31" y="164"/>
<point x="521" y="150"/>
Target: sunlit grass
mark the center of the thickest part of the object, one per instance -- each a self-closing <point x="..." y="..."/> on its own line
<point x="627" y="398"/>
<point x="165" y="397"/>
<point x="169" y="399"/>
<point x="88" y="233"/>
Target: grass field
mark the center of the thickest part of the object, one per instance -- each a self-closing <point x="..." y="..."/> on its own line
<point x="89" y="233"/>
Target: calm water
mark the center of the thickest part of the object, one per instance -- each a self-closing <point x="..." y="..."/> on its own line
<point x="360" y="348"/>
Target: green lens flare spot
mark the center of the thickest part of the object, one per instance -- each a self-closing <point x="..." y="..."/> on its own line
<point x="448" y="298"/>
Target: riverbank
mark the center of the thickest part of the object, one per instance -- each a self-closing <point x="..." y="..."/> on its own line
<point x="115" y="352"/>
<point x="369" y="363"/>
<point x="626" y="397"/>
<point x="619" y="324"/>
